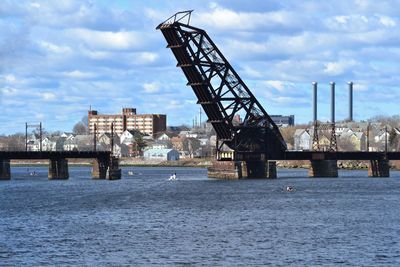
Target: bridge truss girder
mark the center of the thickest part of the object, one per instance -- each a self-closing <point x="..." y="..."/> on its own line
<point x="221" y="92"/>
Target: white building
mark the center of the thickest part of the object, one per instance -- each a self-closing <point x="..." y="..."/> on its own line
<point x="161" y="154"/>
<point x="302" y="139"/>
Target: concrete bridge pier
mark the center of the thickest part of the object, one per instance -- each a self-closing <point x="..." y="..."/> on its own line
<point x="323" y="168"/>
<point x="271" y="169"/>
<point x="379" y="168"/>
<point x="259" y="169"/>
<point x="242" y="169"/>
<point x="225" y="170"/>
<point x="114" y="172"/>
<point x="99" y="168"/>
<point x="58" y="169"/>
<point x="5" y="172"/>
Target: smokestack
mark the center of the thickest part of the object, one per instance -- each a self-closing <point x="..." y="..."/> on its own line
<point x="332" y="102"/>
<point x="350" y="101"/>
<point x="315" y="85"/>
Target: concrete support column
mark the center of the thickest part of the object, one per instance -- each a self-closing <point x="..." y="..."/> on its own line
<point x="225" y="170"/>
<point x="5" y="172"/>
<point x="114" y="172"/>
<point x="58" y="169"/>
<point x="323" y="168"/>
<point x="254" y="169"/>
<point x="99" y="168"/>
<point x="379" y="168"/>
<point x="271" y="170"/>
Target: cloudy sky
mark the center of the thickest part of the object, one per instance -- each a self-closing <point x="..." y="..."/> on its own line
<point x="59" y="57"/>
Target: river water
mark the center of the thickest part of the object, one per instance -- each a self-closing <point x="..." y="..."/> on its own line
<point x="144" y="219"/>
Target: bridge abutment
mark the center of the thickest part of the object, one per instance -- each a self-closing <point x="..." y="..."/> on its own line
<point x="323" y="168"/>
<point x="271" y="170"/>
<point x="242" y="169"/>
<point x="379" y="168"/>
<point x="58" y="169"/>
<point x="114" y="172"/>
<point x="225" y="170"/>
<point x="99" y="168"/>
<point x="259" y="169"/>
<point x="5" y="170"/>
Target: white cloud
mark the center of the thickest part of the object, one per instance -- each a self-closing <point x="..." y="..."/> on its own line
<point x="151" y="88"/>
<point x="278" y="85"/>
<point x="54" y="48"/>
<point x="122" y="40"/>
<point x="338" y="67"/>
<point x="9" y="91"/>
<point x="47" y="96"/>
<point x="387" y="21"/>
<point x="10" y="78"/>
<point x="35" y="5"/>
<point x="224" y="18"/>
<point x="76" y="74"/>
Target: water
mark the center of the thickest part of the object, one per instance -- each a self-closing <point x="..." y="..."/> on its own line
<point x="146" y="220"/>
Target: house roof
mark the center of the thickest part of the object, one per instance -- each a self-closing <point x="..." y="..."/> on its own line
<point x="299" y="132"/>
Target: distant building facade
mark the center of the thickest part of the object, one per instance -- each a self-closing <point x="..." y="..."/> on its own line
<point x="150" y="124"/>
<point x="283" y="121"/>
<point x="161" y="154"/>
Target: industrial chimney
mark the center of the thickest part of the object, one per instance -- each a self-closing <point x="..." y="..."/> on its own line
<point x="315" y="84"/>
<point x="332" y="102"/>
<point x="350" y="101"/>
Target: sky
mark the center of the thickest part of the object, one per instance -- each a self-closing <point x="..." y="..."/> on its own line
<point x="59" y="58"/>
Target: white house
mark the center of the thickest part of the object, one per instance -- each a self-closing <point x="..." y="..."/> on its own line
<point x="127" y="137"/>
<point x="188" y="134"/>
<point x="161" y="154"/>
<point x="302" y="139"/>
<point x="164" y="137"/>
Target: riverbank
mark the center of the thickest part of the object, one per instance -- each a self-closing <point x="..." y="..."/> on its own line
<point x="136" y="162"/>
<point x="199" y="163"/>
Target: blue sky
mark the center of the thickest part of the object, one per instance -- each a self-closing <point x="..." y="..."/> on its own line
<point x="58" y="58"/>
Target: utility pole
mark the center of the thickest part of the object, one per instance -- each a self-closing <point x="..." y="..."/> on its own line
<point x="386" y="140"/>
<point x="26" y="136"/>
<point x="40" y="134"/>
<point x="94" y="137"/>
<point x="112" y="138"/>
<point x="368" y="126"/>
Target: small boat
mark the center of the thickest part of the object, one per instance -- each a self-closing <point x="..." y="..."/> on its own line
<point x="172" y="177"/>
<point x="289" y="188"/>
<point x="130" y="173"/>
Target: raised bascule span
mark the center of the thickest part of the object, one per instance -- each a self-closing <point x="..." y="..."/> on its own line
<point x="224" y="97"/>
<point x="222" y="93"/>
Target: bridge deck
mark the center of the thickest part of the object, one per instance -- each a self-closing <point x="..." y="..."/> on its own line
<point x="326" y="155"/>
<point x="53" y="154"/>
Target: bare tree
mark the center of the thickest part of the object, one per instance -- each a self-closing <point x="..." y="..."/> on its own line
<point x="80" y="128"/>
<point x="288" y="134"/>
<point x="344" y="144"/>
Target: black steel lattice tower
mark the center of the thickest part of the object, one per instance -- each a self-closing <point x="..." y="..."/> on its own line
<point x="221" y="92"/>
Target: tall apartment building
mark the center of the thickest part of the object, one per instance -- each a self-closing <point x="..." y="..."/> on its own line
<point x="150" y="124"/>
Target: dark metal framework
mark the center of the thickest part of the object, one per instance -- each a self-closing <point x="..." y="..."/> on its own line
<point x="221" y="92"/>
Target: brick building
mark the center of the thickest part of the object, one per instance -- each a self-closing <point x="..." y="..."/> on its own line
<point x="150" y="124"/>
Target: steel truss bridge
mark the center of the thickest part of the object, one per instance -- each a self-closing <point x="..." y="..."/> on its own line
<point x="223" y="95"/>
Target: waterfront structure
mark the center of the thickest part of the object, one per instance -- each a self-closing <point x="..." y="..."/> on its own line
<point x="149" y="124"/>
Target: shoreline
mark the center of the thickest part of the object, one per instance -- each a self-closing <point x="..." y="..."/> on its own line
<point x="195" y="163"/>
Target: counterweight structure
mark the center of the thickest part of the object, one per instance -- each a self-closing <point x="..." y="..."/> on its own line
<point x="222" y="93"/>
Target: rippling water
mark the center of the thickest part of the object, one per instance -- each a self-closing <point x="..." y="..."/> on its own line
<point x="146" y="220"/>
